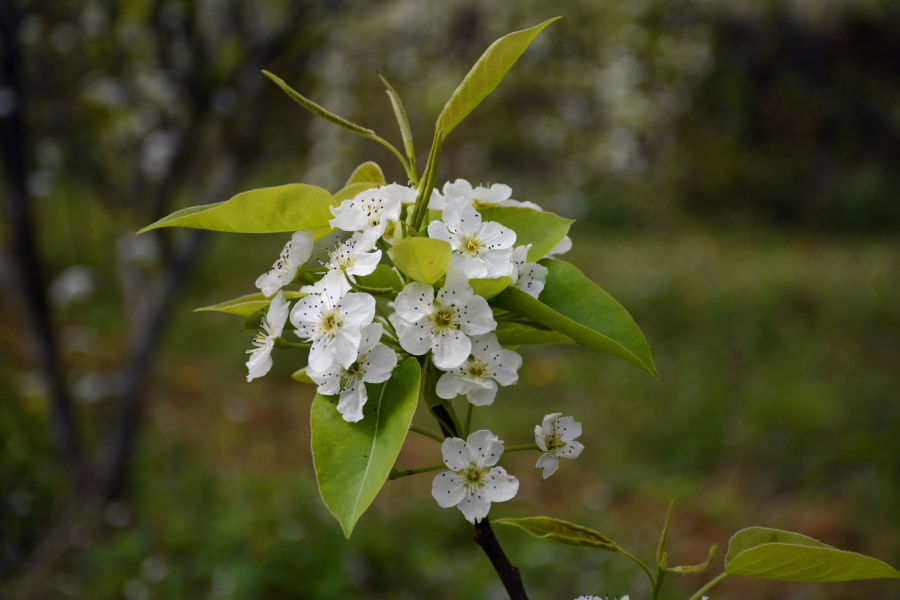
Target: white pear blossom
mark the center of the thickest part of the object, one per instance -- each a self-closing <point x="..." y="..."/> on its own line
<point x="496" y="195"/>
<point x="555" y="437"/>
<point x="355" y="256"/>
<point x="528" y="277"/>
<point x="444" y="323"/>
<point x="370" y="210"/>
<point x="373" y="365"/>
<point x="296" y="252"/>
<point x="271" y="326"/>
<point x="332" y="323"/>
<point x="477" y="378"/>
<point x="473" y="482"/>
<point x="562" y="247"/>
<point x="479" y="249"/>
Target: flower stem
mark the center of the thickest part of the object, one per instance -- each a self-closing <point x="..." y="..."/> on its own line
<point x="283" y="343"/>
<point x="427" y="433"/>
<point x="519" y="448"/>
<point x="708" y="586"/>
<point x="375" y="291"/>
<point x="396" y="474"/>
<point x="468" y="421"/>
<point x="641" y="565"/>
<point x="396" y="153"/>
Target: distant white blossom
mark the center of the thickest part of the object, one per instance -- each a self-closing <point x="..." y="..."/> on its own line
<point x="479" y="249"/>
<point x="296" y="252"/>
<point x="355" y="256"/>
<point x="477" y="378"/>
<point x="373" y="365"/>
<point x="369" y="211"/>
<point x="498" y="194"/>
<point x="527" y="276"/>
<point x="473" y="482"/>
<point x="270" y="328"/>
<point x="332" y="323"/>
<point x="441" y="324"/>
<point x="556" y="438"/>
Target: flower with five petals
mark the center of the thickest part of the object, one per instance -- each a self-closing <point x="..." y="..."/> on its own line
<point x="556" y="439"/>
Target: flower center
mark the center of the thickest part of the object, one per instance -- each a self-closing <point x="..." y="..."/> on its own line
<point x="351" y="374"/>
<point x="472" y="476"/>
<point x="331" y="323"/>
<point x="553" y="442"/>
<point x="471" y="245"/>
<point x="476" y="369"/>
<point x="443" y="319"/>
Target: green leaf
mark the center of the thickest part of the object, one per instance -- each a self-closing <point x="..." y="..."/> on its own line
<point x="543" y="230"/>
<point x="318" y="110"/>
<point x="697" y="569"/>
<point x="488" y="288"/>
<point x="403" y="122"/>
<point x="572" y="305"/>
<point x="382" y="277"/>
<point x="521" y="336"/>
<point x="353" y="460"/>
<point x="485" y="75"/>
<point x="368" y="172"/>
<point x="268" y="210"/>
<point x="562" y="532"/>
<point x="301" y="376"/>
<point x="247" y="305"/>
<point x="784" y="556"/>
<point x="422" y="259"/>
<point x="349" y="192"/>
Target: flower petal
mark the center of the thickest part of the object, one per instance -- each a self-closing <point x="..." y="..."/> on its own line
<point x="475" y="506"/>
<point x="571" y="450"/>
<point x="415" y="302"/>
<point x="370" y="335"/>
<point x="495" y="236"/>
<point x="357" y="309"/>
<point x="480" y="396"/>
<point x="500" y="485"/>
<point x="378" y="364"/>
<point x="345" y="345"/>
<point x="461" y="217"/>
<point x="329" y="380"/>
<point x="352" y="401"/>
<point x="450" y="349"/>
<point x="567" y="428"/>
<point x="460" y="187"/>
<point x="260" y="362"/>
<point x="505" y="367"/>
<point x="450" y="385"/>
<point x="438" y="231"/>
<point x="475" y="316"/>
<point x="473" y="266"/>
<point x="548" y="463"/>
<point x="415" y="338"/>
<point x="455" y="454"/>
<point x="277" y="315"/>
<point x="301" y="247"/>
<point x="485" y="448"/>
<point x="448" y="489"/>
<point x="562" y="247"/>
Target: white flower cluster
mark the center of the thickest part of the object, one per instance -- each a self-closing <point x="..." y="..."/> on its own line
<point x="350" y="346"/>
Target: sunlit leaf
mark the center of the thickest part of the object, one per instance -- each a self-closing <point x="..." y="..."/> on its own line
<point x="574" y="306"/>
<point x="562" y="532"/>
<point x="247" y="305"/>
<point x="781" y="555"/>
<point x="368" y="172"/>
<point x="301" y="376"/>
<point x="488" y="288"/>
<point x="382" y="277"/>
<point x="422" y="259"/>
<point x="353" y="460"/>
<point x="318" y="110"/>
<point x="350" y="192"/>
<point x="290" y="207"/>
<point x="543" y="230"/>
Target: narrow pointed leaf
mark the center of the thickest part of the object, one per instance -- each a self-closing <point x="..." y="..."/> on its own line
<point x="318" y="110"/>
<point x="574" y="306"/>
<point x="485" y="75"/>
<point x="290" y="207"/>
<point x="403" y="122"/>
<point x="301" y="376"/>
<point x="543" y="230"/>
<point x="368" y="172"/>
<point x="247" y="305"/>
<point x="562" y="532"/>
<point x="488" y="288"/>
<point x="784" y="556"/>
<point x="422" y="259"/>
<point x="350" y="192"/>
<point x="697" y="569"/>
<point x="353" y="460"/>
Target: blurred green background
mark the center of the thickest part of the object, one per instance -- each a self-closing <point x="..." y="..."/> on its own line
<point x="733" y="169"/>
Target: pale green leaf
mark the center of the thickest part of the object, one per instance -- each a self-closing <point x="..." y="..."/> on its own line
<point x="485" y="75"/>
<point x="403" y="122"/>
<point x="368" y="172"/>
<point x="784" y="556"/>
<point x="574" y="306"/>
<point x="247" y="305"/>
<point x="350" y="192"/>
<point x="318" y="110"/>
<point x="301" y="376"/>
<point x="353" y="460"/>
<point x="488" y="288"/>
<point x="422" y="259"/>
<point x="382" y="277"/>
<point x="291" y="207"/>
<point x="562" y="532"/>
<point x="543" y="230"/>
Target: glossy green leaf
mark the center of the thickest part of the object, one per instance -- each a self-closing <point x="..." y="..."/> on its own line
<point x="422" y="259"/>
<point x="485" y="75"/>
<point x="574" y="306"/>
<point x="301" y="376"/>
<point x="488" y="288"/>
<point x="523" y="336"/>
<point x="382" y="277"/>
<point x="318" y="110"/>
<point x="268" y="210"/>
<point x="543" y="230"/>
<point x="403" y="122"/>
<point x="247" y="305"/>
<point x="353" y="460"/>
<point x="349" y="192"/>
<point x="562" y="532"/>
<point x="368" y="172"/>
<point x="784" y="556"/>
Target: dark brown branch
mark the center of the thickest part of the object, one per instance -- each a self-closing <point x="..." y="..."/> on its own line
<point x="509" y="575"/>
